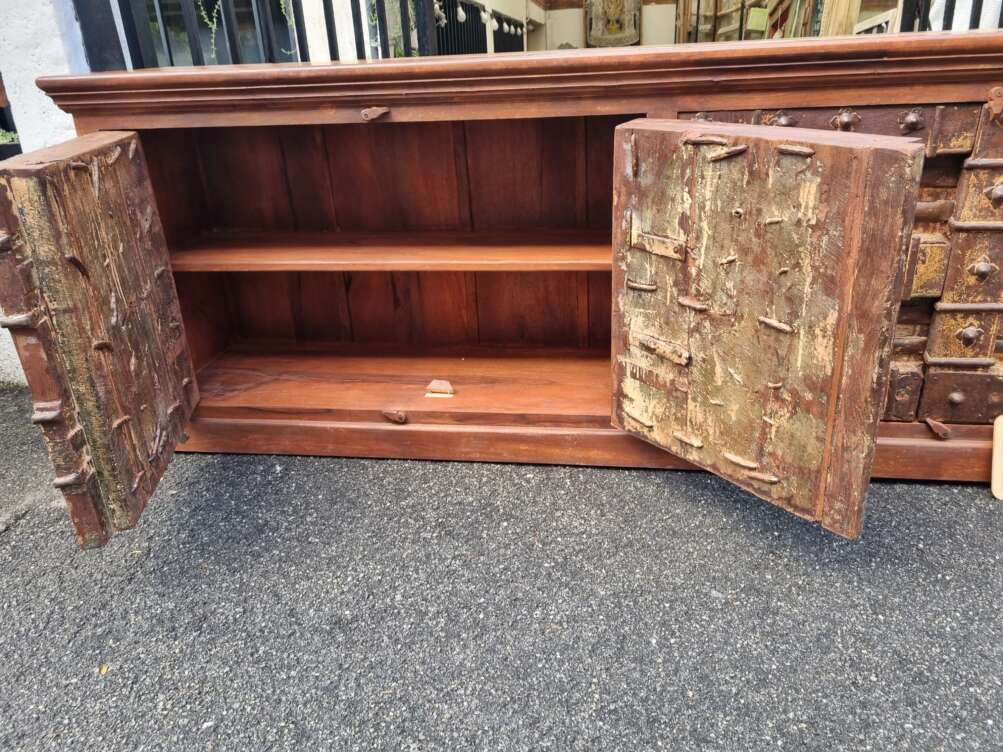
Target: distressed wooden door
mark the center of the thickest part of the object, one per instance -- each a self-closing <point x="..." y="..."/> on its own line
<point x="757" y="276"/>
<point x="86" y="290"/>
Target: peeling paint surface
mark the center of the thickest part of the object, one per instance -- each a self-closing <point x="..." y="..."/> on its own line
<point x="759" y="297"/>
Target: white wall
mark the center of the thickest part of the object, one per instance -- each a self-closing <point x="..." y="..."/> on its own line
<point x="37" y="38"/>
<point x="658" y="24"/>
<point x="565" y="26"/>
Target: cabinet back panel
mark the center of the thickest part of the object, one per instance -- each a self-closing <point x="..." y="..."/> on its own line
<point x="542" y="172"/>
<point x="566" y="309"/>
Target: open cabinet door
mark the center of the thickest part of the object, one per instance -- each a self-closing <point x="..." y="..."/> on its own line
<point x="87" y="292"/>
<point x="756" y="279"/>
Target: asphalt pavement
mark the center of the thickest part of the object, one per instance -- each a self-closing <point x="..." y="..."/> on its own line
<point x="308" y="603"/>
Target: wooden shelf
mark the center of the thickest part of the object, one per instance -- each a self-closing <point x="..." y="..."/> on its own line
<point x="523" y="250"/>
<point x="540" y="406"/>
<point x="492" y="386"/>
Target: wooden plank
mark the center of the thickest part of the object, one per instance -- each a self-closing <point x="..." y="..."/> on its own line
<point x="522" y="250"/>
<point x="965" y="459"/>
<point x="395" y="176"/>
<point x="527" y="173"/>
<point x="887" y="68"/>
<point x="552" y="386"/>
<point x="531" y="308"/>
<point x="753" y="331"/>
<point x="244" y="173"/>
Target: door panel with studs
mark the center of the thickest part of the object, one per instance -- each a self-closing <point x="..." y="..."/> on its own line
<point x="757" y="278"/>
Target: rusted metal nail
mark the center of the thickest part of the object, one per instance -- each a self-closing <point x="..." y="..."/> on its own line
<point x="731" y="151"/>
<point x="638" y="419"/>
<point x="372" y="113"/>
<point x="686" y="439"/>
<point x="137" y="480"/>
<point x="968" y="307"/>
<point x="701" y="140"/>
<point x="668" y="350"/>
<point x="941" y="431"/>
<point x="395" y="416"/>
<point x="692" y="303"/>
<point x="65" y="481"/>
<point x="796" y="150"/>
<point x="780" y="326"/>
<point x="634" y="162"/>
<point x="740" y="461"/>
<point x="764" y="477"/>
<point x="47" y="412"/>
<point x="641" y="286"/>
<point x="18" y="321"/>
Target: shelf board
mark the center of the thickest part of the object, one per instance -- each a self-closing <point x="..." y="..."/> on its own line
<point x="522" y="250"/>
<point x="497" y="387"/>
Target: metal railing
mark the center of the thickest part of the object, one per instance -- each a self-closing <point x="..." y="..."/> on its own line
<point x="161" y="33"/>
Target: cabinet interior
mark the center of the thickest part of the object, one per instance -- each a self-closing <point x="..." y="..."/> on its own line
<point x="332" y="272"/>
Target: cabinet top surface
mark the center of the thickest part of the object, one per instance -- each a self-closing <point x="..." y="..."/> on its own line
<point x="896" y="67"/>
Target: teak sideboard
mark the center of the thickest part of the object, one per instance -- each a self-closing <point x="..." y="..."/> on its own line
<point x="778" y="261"/>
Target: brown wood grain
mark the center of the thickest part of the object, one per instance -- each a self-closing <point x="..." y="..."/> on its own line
<point x="867" y="69"/>
<point x="514" y="250"/>
<point x="92" y="254"/>
<point x="762" y="352"/>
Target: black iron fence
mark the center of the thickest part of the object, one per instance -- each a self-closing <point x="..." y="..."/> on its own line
<point x="163" y="33"/>
<point x="204" y="32"/>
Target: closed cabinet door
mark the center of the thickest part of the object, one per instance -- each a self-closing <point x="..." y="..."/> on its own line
<point x="87" y="292"/>
<point x="756" y="282"/>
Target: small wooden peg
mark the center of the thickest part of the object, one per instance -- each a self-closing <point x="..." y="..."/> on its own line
<point x="439" y="388"/>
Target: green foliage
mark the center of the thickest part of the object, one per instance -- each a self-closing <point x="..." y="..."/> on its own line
<point x="8" y="137"/>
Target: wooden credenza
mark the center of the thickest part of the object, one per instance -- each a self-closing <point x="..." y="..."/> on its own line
<point x="321" y="242"/>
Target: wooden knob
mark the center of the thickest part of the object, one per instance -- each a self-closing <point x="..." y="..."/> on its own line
<point x="372" y="113"/>
<point x="956" y="397"/>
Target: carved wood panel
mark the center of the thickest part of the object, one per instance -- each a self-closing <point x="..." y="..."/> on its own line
<point x="88" y="292"/>
<point x="753" y="315"/>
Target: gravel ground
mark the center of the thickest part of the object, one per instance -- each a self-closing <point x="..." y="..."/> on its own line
<point x="302" y="603"/>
